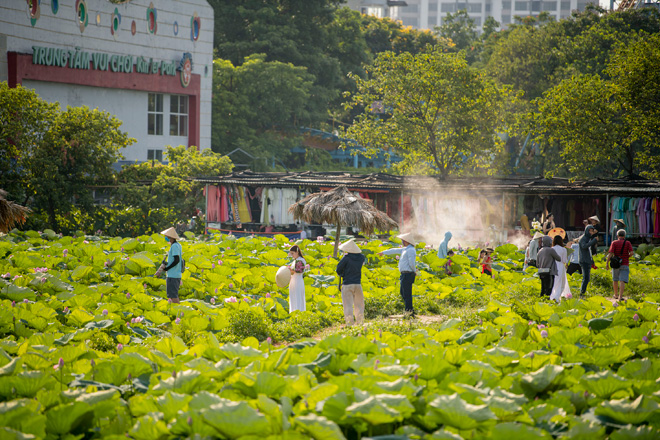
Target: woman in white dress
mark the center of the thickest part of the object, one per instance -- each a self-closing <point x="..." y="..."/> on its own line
<point x="561" y="287"/>
<point x="297" y="284"/>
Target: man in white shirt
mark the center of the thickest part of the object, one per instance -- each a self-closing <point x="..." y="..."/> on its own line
<point x="406" y="268"/>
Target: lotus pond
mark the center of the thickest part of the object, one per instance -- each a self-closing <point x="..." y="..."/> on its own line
<point x="90" y="348"/>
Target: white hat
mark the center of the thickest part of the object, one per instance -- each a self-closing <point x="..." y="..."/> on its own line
<point x="537" y="235"/>
<point x="407" y="237"/>
<point x="350" y="247"/>
<point x="283" y="276"/>
<point x="171" y="232"/>
<point x="594" y="218"/>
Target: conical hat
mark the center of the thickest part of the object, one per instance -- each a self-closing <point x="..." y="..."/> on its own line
<point x="594" y="218"/>
<point x="620" y="222"/>
<point x="557" y="231"/>
<point x="171" y="232"/>
<point x="283" y="276"/>
<point x="537" y="236"/>
<point x="350" y="247"/>
<point x="409" y="237"/>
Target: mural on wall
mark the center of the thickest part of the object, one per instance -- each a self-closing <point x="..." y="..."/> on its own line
<point x="82" y="13"/>
<point x="33" y="10"/>
<point x="152" y="22"/>
<point x="54" y="6"/>
<point x="195" y="25"/>
<point x="115" y="22"/>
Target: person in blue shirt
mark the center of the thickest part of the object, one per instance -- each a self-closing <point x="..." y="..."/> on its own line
<point x="443" y="249"/>
<point x="406" y="268"/>
<point x="172" y="265"/>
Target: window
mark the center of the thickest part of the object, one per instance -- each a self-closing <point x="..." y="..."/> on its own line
<point x="433" y="7"/>
<point x="433" y="20"/>
<point x="549" y="6"/>
<point x="581" y="6"/>
<point x="155" y="155"/>
<point x="477" y="21"/>
<point x="411" y="8"/>
<point x="506" y="6"/>
<point x="410" y="21"/>
<point x="474" y="7"/>
<point x="178" y="115"/>
<point x="536" y="6"/>
<point x="521" y="6"/>
<point x="488" y="7"/>
<point x="506" y="19"/>
<point x="566" y="6"/>
<point x="155" y="114"/>
<point x="447" y="7"/>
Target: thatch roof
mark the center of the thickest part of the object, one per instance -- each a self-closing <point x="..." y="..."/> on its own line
<point x="10" y="213"/>
<point x="341" y="207"/>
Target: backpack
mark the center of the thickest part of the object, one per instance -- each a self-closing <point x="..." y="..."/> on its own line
<point x="615" y="261"/>
<point x="183" y="265"/>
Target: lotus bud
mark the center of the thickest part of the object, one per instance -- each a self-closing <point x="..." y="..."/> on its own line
<point x="531" y="355"/>
<point x="212" y="300"/>
<point x="174" y="374"/>
<point x="65" y="251"/>
<point x="120" y="347"/>
<point x="212" y="265"/>
<point x="128" y="295"/>
<point x="128" y="323"/>
<point x="416" y="377"/>
<point x="220" y="262"/>
<point x="177" y="321"/>
<point x="66" y="309"/>
<point x="132" y="320"/>
<point x="92" y="363"/>
<point x="645" y="339"/>
<point x="541" y="326"/>
<point x="216" y="290"/>
<point x="13" y="303"/>
<point x="61" y="363"/>
<point x="169" y="300"/>
<point x="122" y="248"/>
<point x="615" y="304"/>
<point x="380" y="332"/>
<point x="376" y="364"/>
<point x="231" y="285"/>
<point x="129" y="377"/>
<point x="636" y="317"/>
<point x="105" y="312"/>
<point x="269" y="340"/>
<point x="26" y="301"/>
<point x="190" y="421"/>
<point x="267" y="295"/>
<point x="544" y="333"/>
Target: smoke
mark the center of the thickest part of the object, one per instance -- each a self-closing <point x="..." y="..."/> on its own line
<point x="474" y="219"/>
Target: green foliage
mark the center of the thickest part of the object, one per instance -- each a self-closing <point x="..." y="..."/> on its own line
<point x="415" y="113"/>
<point x="82" y="357"/>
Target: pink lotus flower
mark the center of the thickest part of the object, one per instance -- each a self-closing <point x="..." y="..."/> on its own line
<point x="66" y="309"/>
<point x="65" y="251"/>
<point x="267" y="295"/>
<point x="13" y="303"/>
<point x="85" y="242"/>
<point x="212" y="265"/>
<point x="177" y="321"/>
<point x="569" y="295"/>
<point x="269" y="340"/>
<point x="26" y="301"/>
<point x="219" y="262"/>
<point x="139" y="319"/>
<point x="615" y="304"/>
<point x="132" y="320"/>
<point x="231" y="285"/>
<point x="541" y="326"/>
<point x="128" y="295"/>
<point x="212" y="300"/>
<point x="105" y="264"/>
<point x="231" y="299"/>
<point x="120" y="347"/>
<point x="544" y="333"/>
<point x="636" y="317"/>
<point x="105" y="312"/>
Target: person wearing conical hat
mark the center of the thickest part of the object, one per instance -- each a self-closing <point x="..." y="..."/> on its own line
<point x="407" y="268"/>
<point x="172" y="265"/>
<point x="350" y="271"/>
<point x="532" y="250"/>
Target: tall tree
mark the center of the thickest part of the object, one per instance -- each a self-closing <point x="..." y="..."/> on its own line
<point x="441" y="114"/>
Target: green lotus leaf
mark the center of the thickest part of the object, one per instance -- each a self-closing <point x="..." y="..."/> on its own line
<point x="25" y="260"/>
<point x="9" y="368"/>
<point x="583" y="430"/>
<point x="24" y="384"/>
<point x="130" y="244"/>
<point x="12" y="434"/>
<point x="245" y="354"/>
<point x="512" y="430"/>
<point x="187" y="382"/>
<point x="599" y="323"/>
<point x="318" y="427"/>
<point x="642" y="369"/>
<point x="397" y="402"/>
<point x="149" y="428"/>
<point x="199" y="262"/>
<point x="334" y="407"/>
<point x="171" y="403"/>
<point x="442" y="434"/>
<point x="432" y="367"/>
<point x="75" y="417"/>
<point x="172" y="345"/>
<point x="541" y="379"/>
<point x="79" y="317"/>
<point x="22" y="415"/>
<point x="605" y="356"/>
<point x="635" y="433"/>
<point x="81" y="272"/>
<point x="605" y="383"/>
<point x="624" y="411"/>
<point x="105" y="323"/>
<point x="453" y="411"/>
<point x="501" y="357"/>
<point x="16" y="293"/>
<point x="236" y="419"/>
<point x="469" y="336"/>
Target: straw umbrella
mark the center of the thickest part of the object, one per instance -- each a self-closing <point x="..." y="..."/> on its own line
<point x="10" y="213"/>
<point x="341" y="207"/>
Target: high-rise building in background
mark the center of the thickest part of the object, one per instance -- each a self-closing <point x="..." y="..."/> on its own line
<point x="427" y="14"/>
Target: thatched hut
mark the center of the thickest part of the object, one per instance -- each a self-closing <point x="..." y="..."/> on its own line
<point x="341" y="207"/>
<point x="10" y="213"/>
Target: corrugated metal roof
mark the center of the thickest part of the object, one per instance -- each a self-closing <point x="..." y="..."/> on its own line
<point x="489" y="185"/>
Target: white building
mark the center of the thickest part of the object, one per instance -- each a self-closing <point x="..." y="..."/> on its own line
<point x="427" y="14"/>
<point x="148" y="62"/>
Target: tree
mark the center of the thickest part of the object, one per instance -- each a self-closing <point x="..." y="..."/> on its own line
<point x="77" y="151"/>
<point x="606" y="126"/>
<point x="49" y="156"/>
<point x="256" y="103"/>
<point x="441" y="114"/>
<point x="24" y="119"/>
<point x="150" y="187"/>
<point x="460" y="29"/>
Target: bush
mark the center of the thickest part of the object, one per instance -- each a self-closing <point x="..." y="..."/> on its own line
<point x="246" y="323"/>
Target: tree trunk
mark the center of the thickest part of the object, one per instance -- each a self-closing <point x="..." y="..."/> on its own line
<point x="337" y="240"/>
